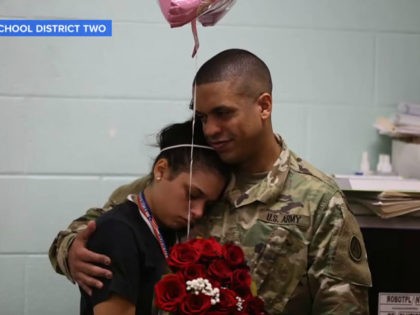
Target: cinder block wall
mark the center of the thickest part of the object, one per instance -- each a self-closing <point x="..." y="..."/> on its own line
<point x="77" y="115"/>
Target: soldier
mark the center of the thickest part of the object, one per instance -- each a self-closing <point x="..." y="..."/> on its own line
<point x="305" y="248"/>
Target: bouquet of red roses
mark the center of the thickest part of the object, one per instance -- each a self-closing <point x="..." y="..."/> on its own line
<point x="208" y="278"/>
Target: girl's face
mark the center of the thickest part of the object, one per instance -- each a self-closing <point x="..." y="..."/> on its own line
<point x="169" y="196"/>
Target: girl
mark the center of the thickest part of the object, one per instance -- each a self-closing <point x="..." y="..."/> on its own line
<point x="138" y="233"/>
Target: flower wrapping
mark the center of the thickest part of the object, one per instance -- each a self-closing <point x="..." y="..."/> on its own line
<point x="207" y="278"/>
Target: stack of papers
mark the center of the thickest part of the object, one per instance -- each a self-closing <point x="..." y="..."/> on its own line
<point x="386" y="196"/>
<point x="386" y="204"/>
<point x="405" y="123"/>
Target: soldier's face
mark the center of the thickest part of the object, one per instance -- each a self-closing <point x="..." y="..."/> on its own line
<point x="231" y="121"/>
<point x="170" y="197"/>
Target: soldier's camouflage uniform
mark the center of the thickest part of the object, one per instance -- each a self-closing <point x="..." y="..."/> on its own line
<point x="304" y="247"/>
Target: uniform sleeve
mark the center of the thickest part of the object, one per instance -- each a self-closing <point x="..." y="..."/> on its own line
<point x="339" y="274"/>
<point x="59" y="248"/>
<point x="116" y="240"/>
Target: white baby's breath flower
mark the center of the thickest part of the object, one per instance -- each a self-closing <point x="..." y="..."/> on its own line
<point x="204" y="286"/>
<point x="239" y="304"/>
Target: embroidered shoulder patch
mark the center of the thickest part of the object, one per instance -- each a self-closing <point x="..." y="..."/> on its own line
<point x="355" y="249"/>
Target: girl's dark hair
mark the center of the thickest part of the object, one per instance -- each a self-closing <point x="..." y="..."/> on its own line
<point x="179" y="159"/>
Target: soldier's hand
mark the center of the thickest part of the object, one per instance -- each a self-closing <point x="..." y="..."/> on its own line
<point x="82" y="261"/>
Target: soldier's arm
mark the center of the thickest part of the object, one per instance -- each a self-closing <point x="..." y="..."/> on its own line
<point x="58" y="251"/>
<point x="339" y="274"/>
<point x="68" y="253"/>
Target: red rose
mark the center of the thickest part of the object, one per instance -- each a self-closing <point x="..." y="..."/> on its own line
<point x="169" y="292"/>
<point x="243" y="292"/>
<point x="182" y="255"/>
<point x="241" y="278"/>
<point x="255" y="306"/>
<point x="197" y="243"/>
<point x="211" y="249"/>
<point x="220" y="271"/>
<point x="227" y="300"/>
<point x="219" y="312"/>
<point x="195" y="271"/>
<point x="195" y="304"/>
<point x="234" y="255"/>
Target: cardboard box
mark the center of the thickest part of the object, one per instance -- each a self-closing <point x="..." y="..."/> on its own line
<point x="405" y="158"/>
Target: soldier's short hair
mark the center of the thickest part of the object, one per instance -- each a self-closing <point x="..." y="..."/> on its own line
<point x="238" y="64"/>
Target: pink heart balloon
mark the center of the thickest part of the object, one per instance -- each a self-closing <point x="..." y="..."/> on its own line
<point x="215" y="12"/>
<point x="181" y="12"/>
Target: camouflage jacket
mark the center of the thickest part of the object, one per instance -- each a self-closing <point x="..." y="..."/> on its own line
<point x="304" y="247"/>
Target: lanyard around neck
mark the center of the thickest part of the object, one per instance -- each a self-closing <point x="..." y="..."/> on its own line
<point x="147" y="212"/>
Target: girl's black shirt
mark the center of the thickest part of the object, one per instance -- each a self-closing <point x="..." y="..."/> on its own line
<point x="137" y="261"/>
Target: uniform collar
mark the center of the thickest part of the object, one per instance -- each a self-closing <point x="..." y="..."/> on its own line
<point x="266" y="190"/>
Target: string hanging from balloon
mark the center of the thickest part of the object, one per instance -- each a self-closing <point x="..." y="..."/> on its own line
<point x="191" y="157"/>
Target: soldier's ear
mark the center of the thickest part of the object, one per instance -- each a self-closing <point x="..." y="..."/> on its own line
<point x="265" y="104"/>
